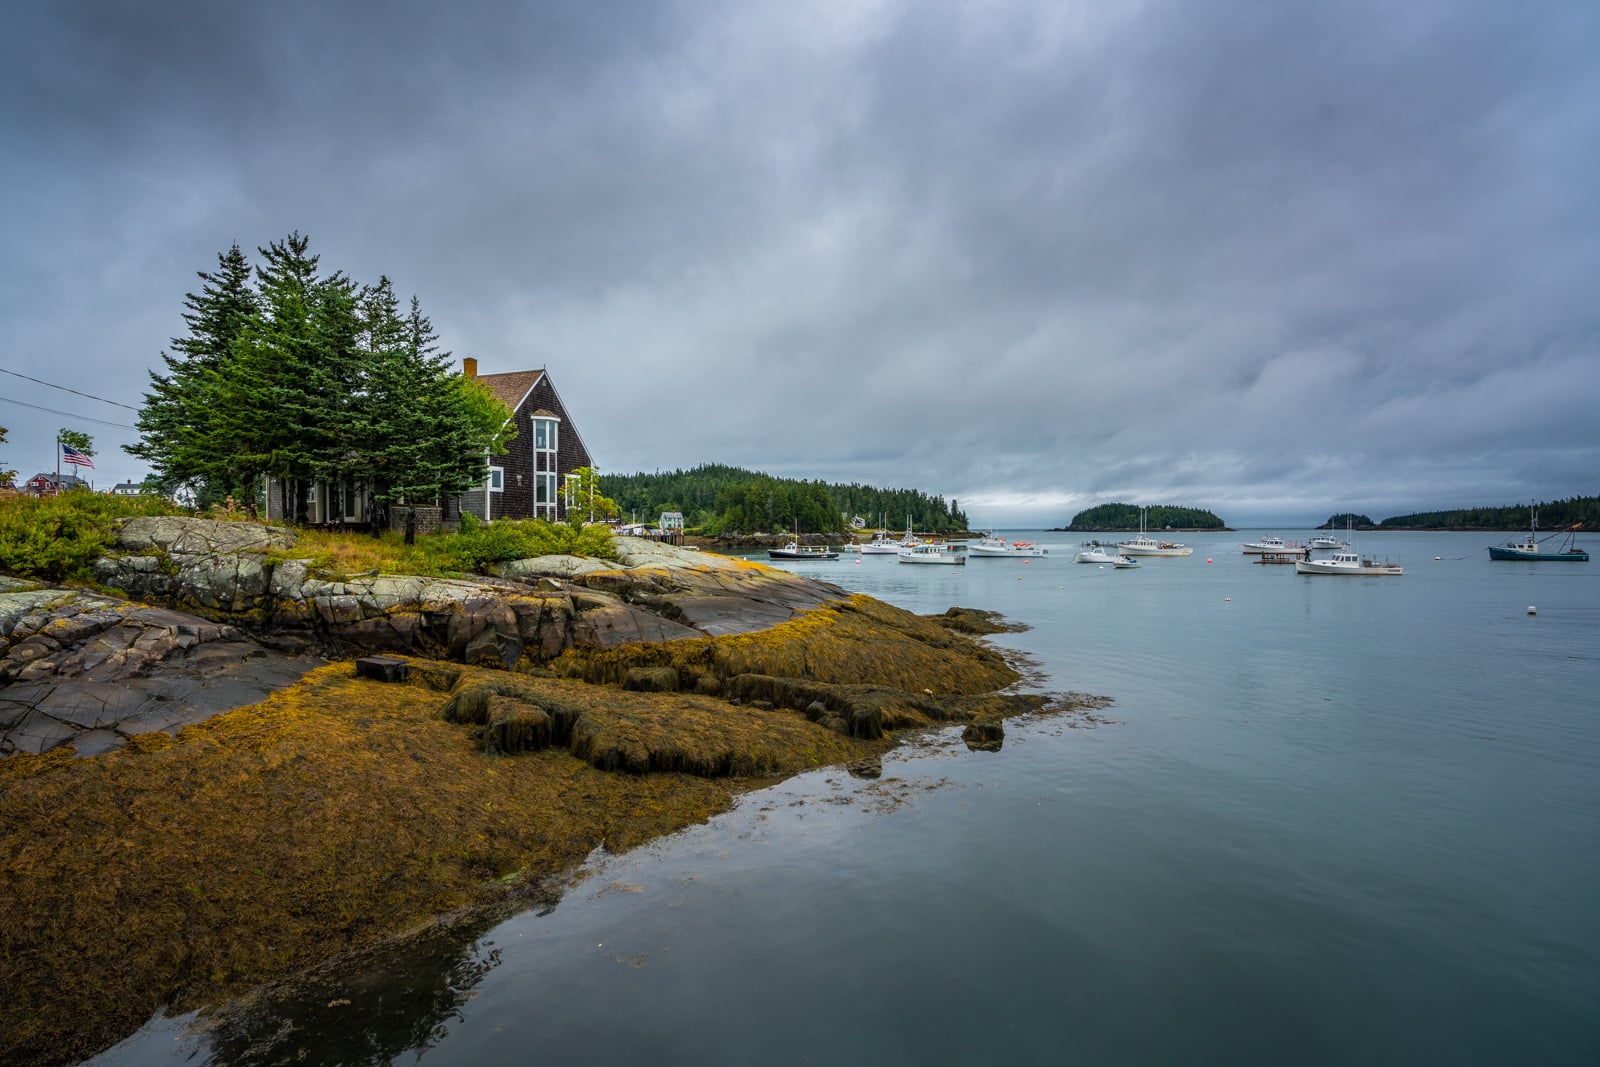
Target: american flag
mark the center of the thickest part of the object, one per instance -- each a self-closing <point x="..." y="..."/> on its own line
<point x="77" y="459"/>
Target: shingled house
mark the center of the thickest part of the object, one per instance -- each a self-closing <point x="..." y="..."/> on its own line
<point x="530" y="480"/>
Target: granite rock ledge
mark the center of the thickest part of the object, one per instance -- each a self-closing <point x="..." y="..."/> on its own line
<point x="221" y="613"/>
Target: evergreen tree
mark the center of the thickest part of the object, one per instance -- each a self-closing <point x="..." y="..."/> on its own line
<point x="267" y="401"/>
<point x="179" y="436"/>
<point x="308" y="378"/>
<point x="422" y="431"/>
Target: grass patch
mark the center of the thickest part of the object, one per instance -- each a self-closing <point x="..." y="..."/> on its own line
<point x="448" y="555"/>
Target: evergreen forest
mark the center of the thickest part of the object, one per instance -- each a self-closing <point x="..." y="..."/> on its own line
<point x="717" y="499"/>
<point x="297" y="373"/>
<point x="1553" y="515"/>
<point x="1104" y="517"/>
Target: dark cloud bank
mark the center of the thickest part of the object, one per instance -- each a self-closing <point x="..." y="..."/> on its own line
<point x="1273" y="259"/>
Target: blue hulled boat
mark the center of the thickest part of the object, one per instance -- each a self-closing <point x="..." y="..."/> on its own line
<point x="1528" y="547"/>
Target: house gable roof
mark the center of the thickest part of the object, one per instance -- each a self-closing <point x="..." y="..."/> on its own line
<point x="512" y="389"/>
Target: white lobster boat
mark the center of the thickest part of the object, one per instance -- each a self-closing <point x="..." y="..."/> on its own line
<point x="992" y="545"/>
<point x="1145" y="545"/>
<point x="881" y="545"/>
<point x="932" y="552"/>
<point x="1347" y="563"/>
<point x="1149" y="546"/>
<point x="1274" y="545"/>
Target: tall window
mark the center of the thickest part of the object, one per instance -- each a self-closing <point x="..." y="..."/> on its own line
<point x="546" y="434"/>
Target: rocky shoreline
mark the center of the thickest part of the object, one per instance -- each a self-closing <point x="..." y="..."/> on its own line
<point x="237" y="620"/>
<point x="256" y="809"/>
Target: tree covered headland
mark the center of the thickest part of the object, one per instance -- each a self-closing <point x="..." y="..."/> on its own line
<point x="1348" y="520"/>
<point x="293" y="372"/>
<point x="1126" y="517"/>
<point x="1556" y="514"/>
<point x="719" y="499"/>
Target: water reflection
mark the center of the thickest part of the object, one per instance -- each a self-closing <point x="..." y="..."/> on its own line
<point x="365" y="1011"/>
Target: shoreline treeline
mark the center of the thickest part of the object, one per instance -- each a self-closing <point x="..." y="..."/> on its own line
<point x="719" y="499"/>
<point x="1555" y="514"/>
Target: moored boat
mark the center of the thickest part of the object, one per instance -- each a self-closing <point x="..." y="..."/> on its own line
<point x="1276" y="545"/>
<point x="794" y="550"/>
<point x="881" y="545"/>
<point x="1149" y="546"/>
<point x="932" y="552"/>
<point x="1528" y="548"/>
<point x="1123" y="563"/>
<point x="992" y="545"/>
<point x="1145" y="545"/>
<point x="1326" y="541"/>
<point x="1350" y="563"/>
<point x="1095" y="554"/>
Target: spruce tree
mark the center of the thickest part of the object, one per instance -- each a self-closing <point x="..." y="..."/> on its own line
<point x="306" y="378"/>
<point x="179" y="436"/>
<point x="269" y="401"/>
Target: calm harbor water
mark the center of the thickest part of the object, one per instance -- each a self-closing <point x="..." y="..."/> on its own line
<point x="1334" y="820"/>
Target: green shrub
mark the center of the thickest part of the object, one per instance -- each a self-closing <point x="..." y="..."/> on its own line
<point x="57" y="539"/>
<point x="476" y="548"/>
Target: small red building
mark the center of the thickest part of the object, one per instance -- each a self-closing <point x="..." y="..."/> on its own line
<point x="45" y="484"/>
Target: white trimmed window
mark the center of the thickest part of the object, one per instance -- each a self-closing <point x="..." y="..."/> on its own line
<point x="497" y="479"/>
<point x="546" y="442"/>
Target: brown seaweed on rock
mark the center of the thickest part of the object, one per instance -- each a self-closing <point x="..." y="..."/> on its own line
<point x="341" y="812"/>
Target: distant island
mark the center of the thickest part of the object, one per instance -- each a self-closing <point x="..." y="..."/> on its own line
<point x="1348" y="520"/>
<point x="1106" y="517"/>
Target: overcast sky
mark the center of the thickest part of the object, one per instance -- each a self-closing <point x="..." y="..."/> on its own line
<point x="1270" y="258"/>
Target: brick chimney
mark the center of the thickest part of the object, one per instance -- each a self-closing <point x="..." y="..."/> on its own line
<point x="469" y="367"/>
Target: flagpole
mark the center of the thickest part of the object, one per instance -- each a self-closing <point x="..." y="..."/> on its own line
<point x="58" y="464"/>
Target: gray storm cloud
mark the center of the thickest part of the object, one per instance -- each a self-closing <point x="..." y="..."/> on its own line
<point x="1275" y="260"/>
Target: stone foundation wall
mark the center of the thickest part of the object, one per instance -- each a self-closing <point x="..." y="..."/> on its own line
<point x="429" y="519"/>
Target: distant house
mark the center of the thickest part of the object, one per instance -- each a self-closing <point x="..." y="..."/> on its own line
<point x="530" y="481"/>
<point x="45" y="484"/>
<point x="671" y="521"/>
<point x="126" y="489"/>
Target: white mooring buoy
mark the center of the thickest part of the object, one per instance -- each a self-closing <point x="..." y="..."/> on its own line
<point x="1532" y="610"/>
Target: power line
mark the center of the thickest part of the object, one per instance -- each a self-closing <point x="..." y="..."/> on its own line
<point x="64" y="389"/>
<point x="68" y="414"/>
